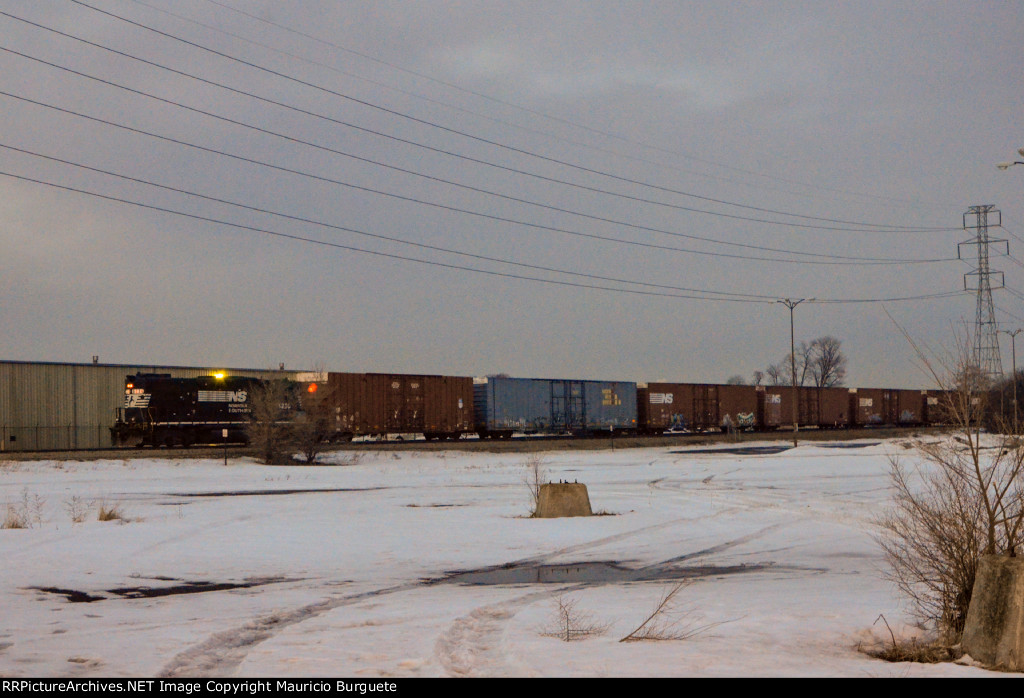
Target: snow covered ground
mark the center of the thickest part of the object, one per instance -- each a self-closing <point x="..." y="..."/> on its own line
<point x="778" y="547"/>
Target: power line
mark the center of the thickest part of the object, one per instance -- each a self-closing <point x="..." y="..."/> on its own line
<point x="423" y="202"/>
<point x="351" y="248"/>
<point x="301" y="219"/>
<point x="445" y="265"/>
<point x="1013" y="292"/>
<point x="1009" y="314"/>
<point x="535" y="112"/>
<point x="481" y="190"/>
<point x="441" y="127"/>
<point x="1017" y="237"/>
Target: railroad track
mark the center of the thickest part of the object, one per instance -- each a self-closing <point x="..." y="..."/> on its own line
<point x="516" y="445"/>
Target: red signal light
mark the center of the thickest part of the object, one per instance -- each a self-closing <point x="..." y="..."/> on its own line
<point x="311" y="388"/>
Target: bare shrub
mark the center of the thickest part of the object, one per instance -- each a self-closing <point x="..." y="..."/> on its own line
<point x="669" y="620"/>
<point x="312" y="426"/>
<point x="535" y="477"/>
<point x="77" y="509"/>
<point x="570" y="623"/>
<point x="966" y="500"/>
<point x="26" y="513"/>
<point x="270" y="428"/>
<point x="16" y="518"/>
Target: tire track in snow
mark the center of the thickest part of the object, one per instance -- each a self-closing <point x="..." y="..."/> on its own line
<point x="222" y="653"/>
<point x="474" y="645"/>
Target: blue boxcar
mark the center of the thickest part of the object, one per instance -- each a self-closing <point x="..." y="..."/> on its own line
<point x="538" y="406"/>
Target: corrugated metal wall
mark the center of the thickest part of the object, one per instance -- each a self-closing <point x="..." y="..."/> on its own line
<point x="46" y="406"/>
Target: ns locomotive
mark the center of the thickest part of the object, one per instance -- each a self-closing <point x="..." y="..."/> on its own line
<point x="159" y="410"/>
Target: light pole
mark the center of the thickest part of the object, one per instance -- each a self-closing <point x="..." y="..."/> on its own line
<point x="792" y="358"/>
<point x="1013" y="344"/>
<point x="1008" y="165"/>
<point x="1013" y="335"/>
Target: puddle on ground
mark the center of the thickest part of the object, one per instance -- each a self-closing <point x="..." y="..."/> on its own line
<point x="737" y="451"/>
<point x="853" y="445"/>
<point x="260" y="493"/>
<point x="144" y="592"/>
<point x="590" y="573"/>
<point x="72" y="595"/>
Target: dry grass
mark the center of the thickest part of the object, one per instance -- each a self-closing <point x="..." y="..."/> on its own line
<point x="911" y="650"/>
<point x="26" y="513"/>
<point x="111" y="512"/>
<point x="916" y="651"/>
<point x="15" y="518"/>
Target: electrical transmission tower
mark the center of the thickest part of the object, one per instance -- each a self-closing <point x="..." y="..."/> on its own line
<point x="985" y="352"/>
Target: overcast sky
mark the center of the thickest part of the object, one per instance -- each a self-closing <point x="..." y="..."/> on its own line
<point x="676" y="167"/>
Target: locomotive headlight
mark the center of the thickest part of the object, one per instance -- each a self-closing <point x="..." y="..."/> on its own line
<point x="219" y="376"/>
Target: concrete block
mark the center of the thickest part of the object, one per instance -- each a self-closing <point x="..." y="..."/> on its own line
<point x="994" y="631"/>
<point x="559" y="499"/>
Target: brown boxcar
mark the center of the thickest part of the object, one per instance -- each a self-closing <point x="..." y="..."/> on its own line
<point x="696" y="407"/>
<point x="888" y="406"/>
<point x="774" y="406"/>
<point x="868" y="406"/>
<point x="816" y="407"/>
<point x="935" y="407"/>
<point x="737" y="405"/>
<point x="833" y="407"/>
<point x="665" y="407"/>
<point x="907" y="406"/>
<point x="386" y="403"/>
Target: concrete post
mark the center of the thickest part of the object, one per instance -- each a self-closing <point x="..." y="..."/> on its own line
<point x="994" y="631"/>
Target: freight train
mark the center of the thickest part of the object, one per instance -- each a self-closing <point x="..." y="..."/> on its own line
<point x="162" y="411"/>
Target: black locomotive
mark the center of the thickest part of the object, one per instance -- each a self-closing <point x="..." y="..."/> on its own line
<point x="160" y="410"/>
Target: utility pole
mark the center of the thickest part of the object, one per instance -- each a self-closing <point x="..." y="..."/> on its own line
<point x="985" y="354"/>
<point x="1013" y="344"/>
<point x="792" y="359"/>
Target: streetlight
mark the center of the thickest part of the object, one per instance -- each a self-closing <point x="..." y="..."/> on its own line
<point x="1013" y="344"/>
<point x="1008" y="165"/>
<point x="792" y="358"/>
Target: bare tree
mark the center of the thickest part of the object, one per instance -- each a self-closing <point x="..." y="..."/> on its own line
<point x="827" y="363"/>
<point x="821" y="362"/>
<point x="311" y="427"/>
<point x="776" y="374"/>
<point x="803" y="363"/>
<point x="758" y="377"/>
<point x="270" y="422"/>
<point x="966" y="500"/>
<point x="736" y="380"/>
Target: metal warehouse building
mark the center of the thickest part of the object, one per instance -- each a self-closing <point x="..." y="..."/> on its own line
<point x="46" y="406"/>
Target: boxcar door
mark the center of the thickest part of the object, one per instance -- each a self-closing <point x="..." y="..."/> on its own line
<point x="568" y="408"/>
<point x="705" y="407"/>
<point x="405" y="404"/>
